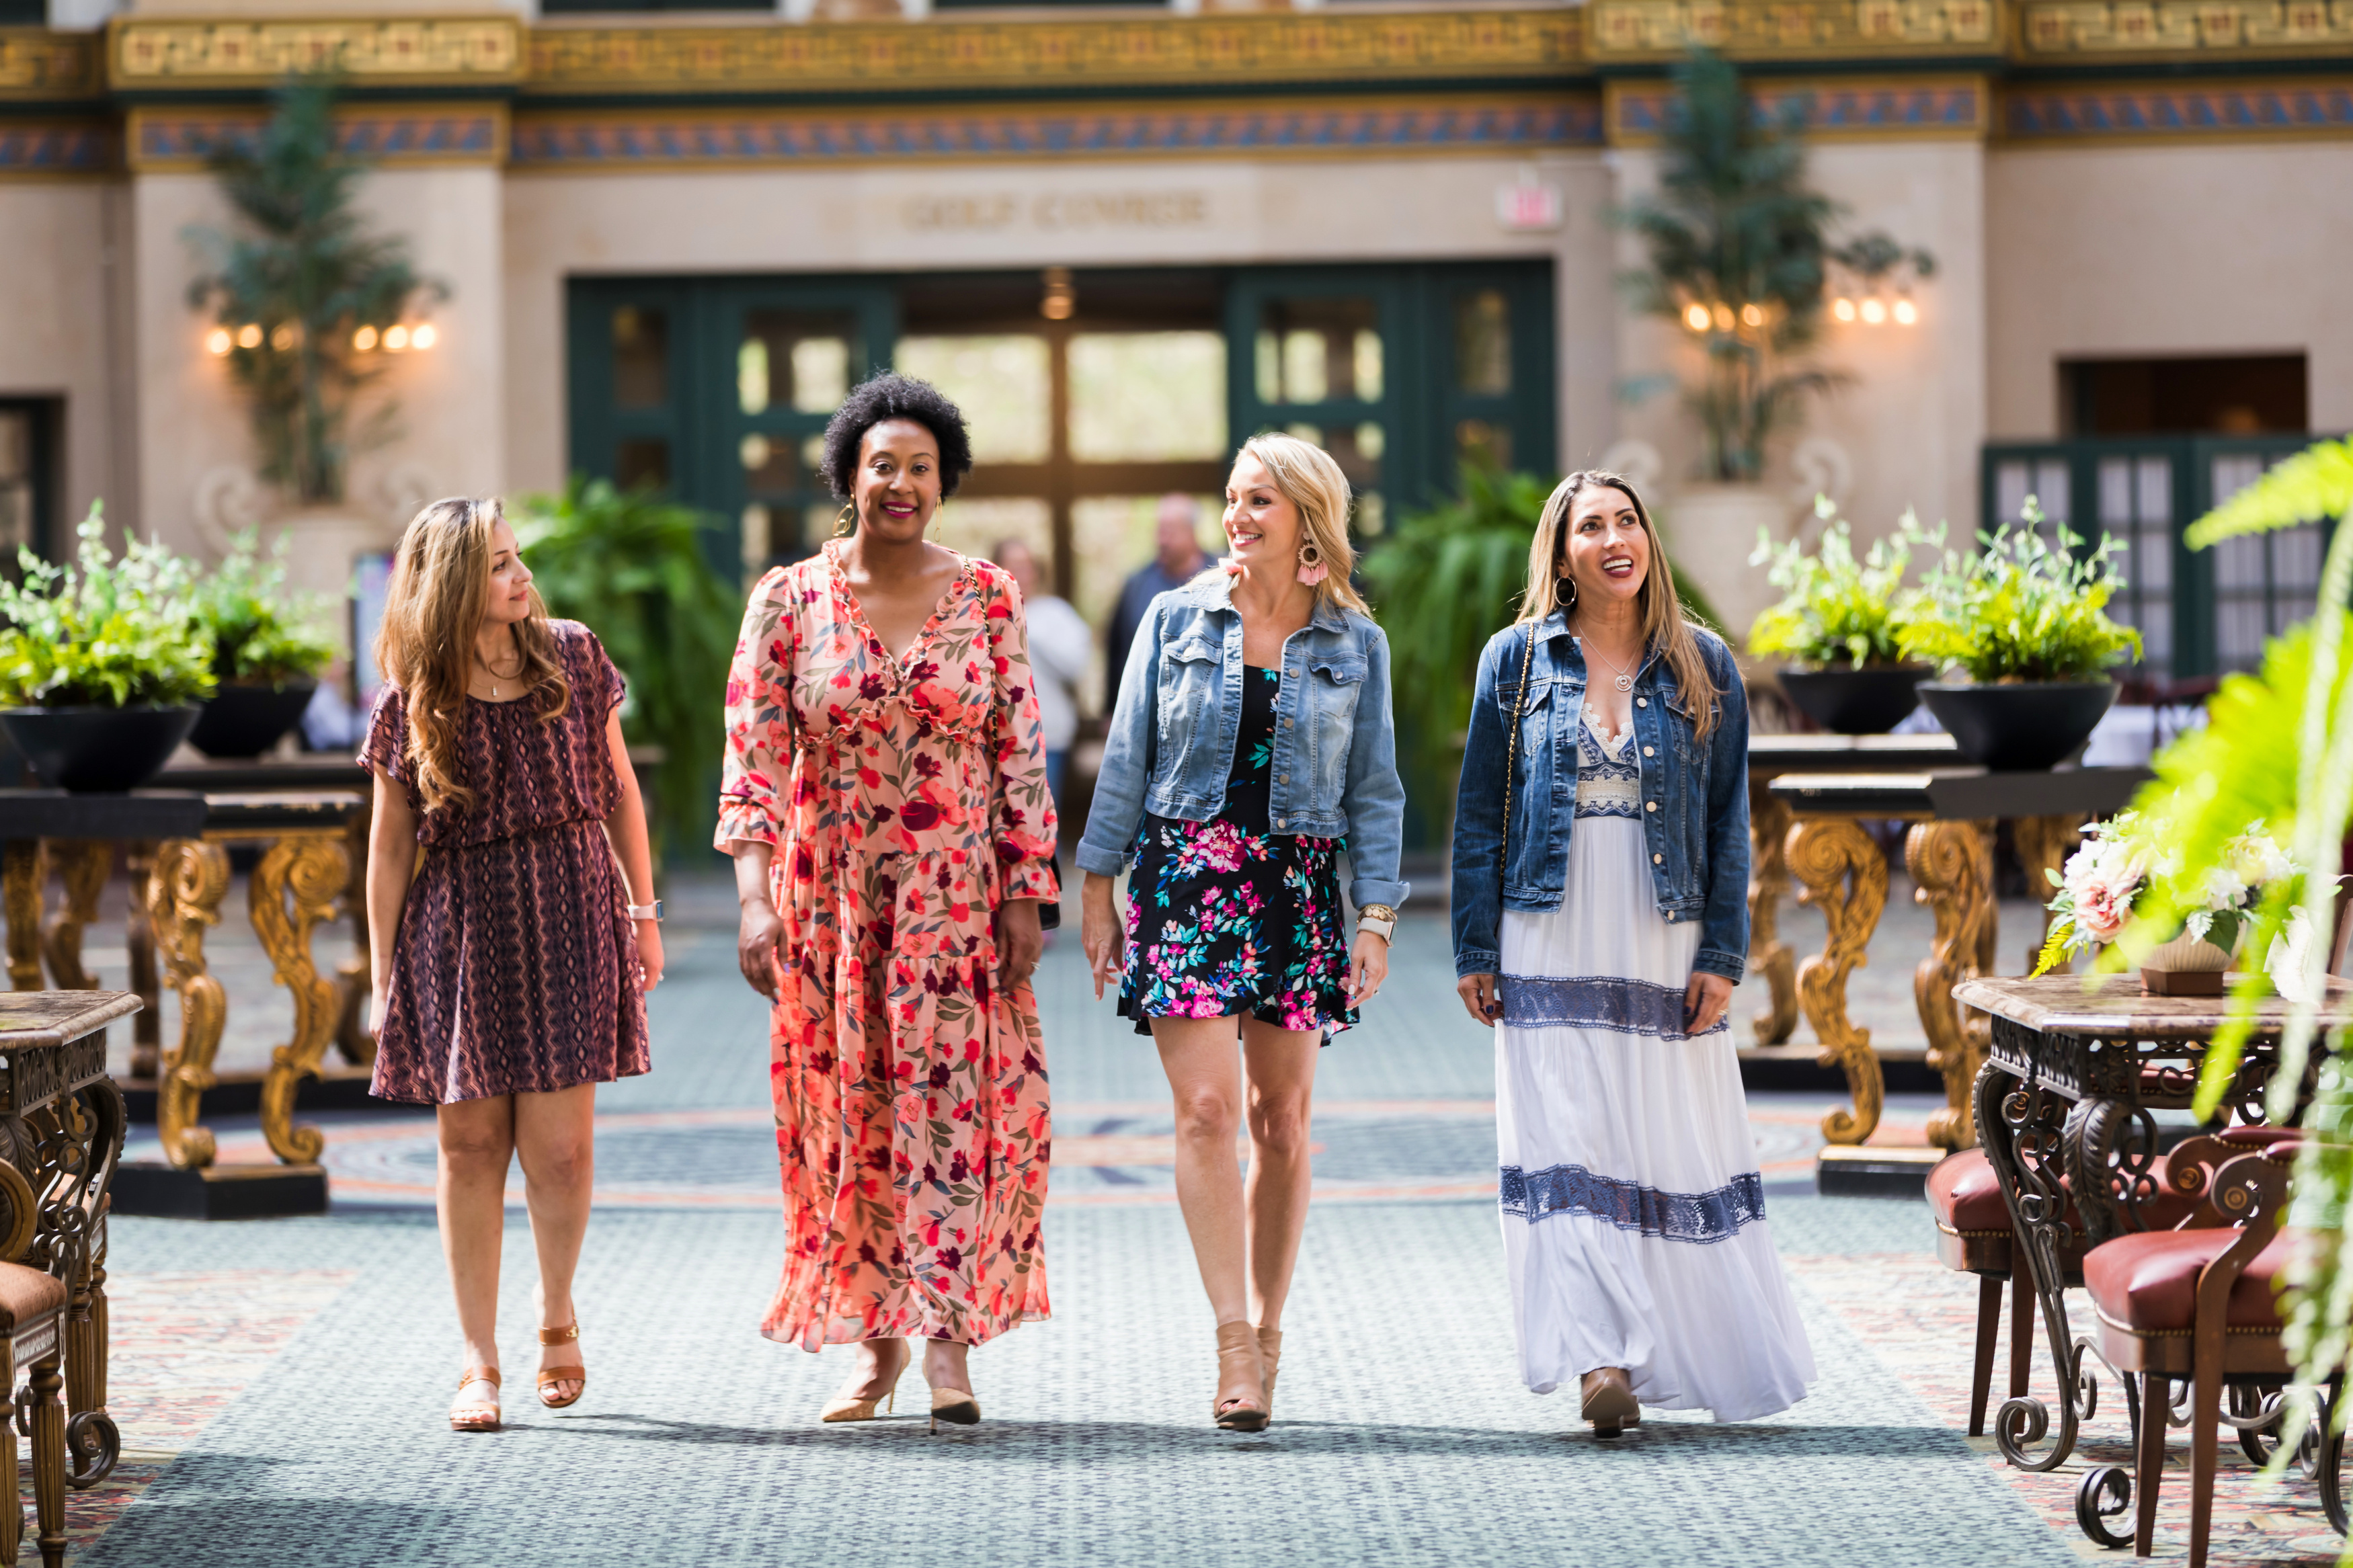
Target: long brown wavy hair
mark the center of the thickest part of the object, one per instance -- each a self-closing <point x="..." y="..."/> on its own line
<point x="440" y="588"/>
<point x="1664" y="629"/>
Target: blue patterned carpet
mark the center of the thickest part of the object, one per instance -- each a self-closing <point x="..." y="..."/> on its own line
<point x="1403" y="1435"/>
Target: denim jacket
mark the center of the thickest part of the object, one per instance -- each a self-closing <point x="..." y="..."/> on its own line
<point x="1695" y="797"/>
<point x="1170" y="749"/>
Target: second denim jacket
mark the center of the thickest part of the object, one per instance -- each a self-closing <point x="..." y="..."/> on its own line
<point x="1695" y="797"/>
<point x="1170" y="749"/>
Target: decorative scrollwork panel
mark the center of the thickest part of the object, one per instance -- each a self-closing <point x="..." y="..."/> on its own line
<point x="309" y="873"/>
<point x="184" y="897"/>
<point x="1845" y="875"/>
<point x="1954" y="873"/>
<point x="1770" y="958"/>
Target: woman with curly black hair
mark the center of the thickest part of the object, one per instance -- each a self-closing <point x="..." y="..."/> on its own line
<point x="885" y="802"/>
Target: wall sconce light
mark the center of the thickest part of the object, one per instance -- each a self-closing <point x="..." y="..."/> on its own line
<point x="1875" y="312"/>
<point x="217" y="341"/>
<point x="395" y="340"/>
<point x="1843" y="307"/>
<point x="364" y="339"/>
<point x="422" y="336"/>
<point x="1695" y="317"/>
<point x="1721" y="315"/>
<point x="1905" y="312"/>
<point x="248" y="336"/>
<point x="1751" y="316"/>
<point x="1061" y="301"/>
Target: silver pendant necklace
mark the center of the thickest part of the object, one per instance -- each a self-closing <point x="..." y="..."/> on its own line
<point x="1622" y="681"/>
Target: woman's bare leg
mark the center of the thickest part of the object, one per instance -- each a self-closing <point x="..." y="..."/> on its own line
<point x="1281" y="1067"/>
<point x="944" y="1364"/>
<point x="1204" y="1079"/>
<point x="555" y="1139"/>
<point x="477" y="1143"/>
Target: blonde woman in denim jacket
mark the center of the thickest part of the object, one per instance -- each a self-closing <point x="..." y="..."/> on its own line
<point x="1250" y="739"/>
<point x="1602" y="940"/>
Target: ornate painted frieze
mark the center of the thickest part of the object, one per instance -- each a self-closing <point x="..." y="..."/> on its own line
<point x="2179" y="29"/>
<point x="58" y="147"/>
<point x="1636" y="112"/>
<point x="2177" y="109"/>
<point x="178" y="53"/>
<point x="624" y="139"/>
<point x="398" y="134"/>
<point x="1193" y="51"/>
<point x="35" y="63"/>
<point x="1797" y="30"/>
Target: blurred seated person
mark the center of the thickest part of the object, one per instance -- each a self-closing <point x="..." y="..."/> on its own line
<point x="1062" y="644"/>
<point x="1178" y="560"/>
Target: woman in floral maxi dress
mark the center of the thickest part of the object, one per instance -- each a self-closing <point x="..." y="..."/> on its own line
<point x="892" y="832"/>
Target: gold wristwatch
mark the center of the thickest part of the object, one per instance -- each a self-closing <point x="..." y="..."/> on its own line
<point x="1378" y="918"/>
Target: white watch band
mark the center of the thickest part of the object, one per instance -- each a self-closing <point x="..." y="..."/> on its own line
<point x="646" y="912"/>
<point x="1385" y="929"/>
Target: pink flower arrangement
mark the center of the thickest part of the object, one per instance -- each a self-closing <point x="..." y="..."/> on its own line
<point x="2105" y="880"/>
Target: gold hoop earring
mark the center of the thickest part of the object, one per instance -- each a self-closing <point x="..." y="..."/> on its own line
<point x="846" y="523"/>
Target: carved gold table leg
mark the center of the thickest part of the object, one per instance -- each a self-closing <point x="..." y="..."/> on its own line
<point x="139" y="937"/>
<point x="84" y="864"/>
<point x="2043" y="845"/>
<point x="1770" y="958"/>
<point x="314" y="871"/>
<point x="22" y="876"/>
<point x="184" y="897"/>
<point x="1953" y="870"/>
<point x="1845" y="875"/>
<point x="355" y="975"/>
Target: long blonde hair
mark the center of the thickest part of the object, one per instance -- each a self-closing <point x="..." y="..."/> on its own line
<point x="1305" y="475"/>
<point x="440" y="587"/>
<point x="1664" y="629"/>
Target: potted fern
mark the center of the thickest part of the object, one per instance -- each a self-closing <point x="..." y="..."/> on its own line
<point x="269" y="648"/>
<point x="102" y="663"/>
<point x="1836" y="623"/>
<point x="2026" y="628"/>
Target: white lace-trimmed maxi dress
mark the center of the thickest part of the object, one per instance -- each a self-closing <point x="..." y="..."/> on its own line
<point x="1633" y="1209"/>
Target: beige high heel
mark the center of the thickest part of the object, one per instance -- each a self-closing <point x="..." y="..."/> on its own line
<point x="1239" y="1405"/>
<point x="476" y="1417"/>
<point x="1609" y="1402"/>
<point x="1270" y="1355"/>
<point x="845" y="1409"/>
<point x="550" y="1378"/>
<point x="956" y="1406"/>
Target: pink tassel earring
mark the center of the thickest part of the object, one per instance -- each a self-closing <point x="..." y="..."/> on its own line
<point x="1311" y="569"/>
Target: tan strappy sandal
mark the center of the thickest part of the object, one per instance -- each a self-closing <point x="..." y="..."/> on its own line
<point x="554" y="1376"/>
<point x="476" y="1417"/>
<point x="1270" y="1355"/>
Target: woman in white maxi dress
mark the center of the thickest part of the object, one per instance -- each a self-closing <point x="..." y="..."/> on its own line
<point x="1634" y="1211"/>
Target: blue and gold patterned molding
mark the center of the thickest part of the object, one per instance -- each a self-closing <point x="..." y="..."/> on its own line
<point x="629" y="140"/>
<point x="1189" y="52"/>
<point x="1660" y="30"/>
<point x="1837" y="108"/>
<point x="395" y="135"/>
<point x="37" y="64"/>
<point x="2178" y="112"/>
<point x="175" y="54"/>
<point x="70" y="148"/>
<point x="2181" y="32"/>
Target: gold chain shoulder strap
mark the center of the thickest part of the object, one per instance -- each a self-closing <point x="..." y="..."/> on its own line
<point x="1510" y="753"/>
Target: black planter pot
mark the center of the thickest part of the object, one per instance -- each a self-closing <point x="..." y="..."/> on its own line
<point x="244" y="721"/>
<point x="97" y="751"/>
<point x="2020" y="727"/>
<point x="1871" y="701"/>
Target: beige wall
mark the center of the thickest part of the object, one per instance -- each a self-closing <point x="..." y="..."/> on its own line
<point x="1911" y="418"/>
<point x="63" y="339"/>
<point x="2180" y="249"/>
<point x="193" y="435"/>
<point x="905" y="219"/>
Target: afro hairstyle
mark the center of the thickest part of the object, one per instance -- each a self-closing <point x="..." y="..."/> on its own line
<point x="890" y="395"/>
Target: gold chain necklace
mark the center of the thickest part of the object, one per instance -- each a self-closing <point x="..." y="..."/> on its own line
<point x="494" y="674"/>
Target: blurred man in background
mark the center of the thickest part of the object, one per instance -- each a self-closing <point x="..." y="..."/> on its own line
<point x="1178" y="560"/>
<point x="1061" y="646"/>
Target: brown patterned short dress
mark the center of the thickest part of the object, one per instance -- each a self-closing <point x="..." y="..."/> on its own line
<point x="515" y="971"/>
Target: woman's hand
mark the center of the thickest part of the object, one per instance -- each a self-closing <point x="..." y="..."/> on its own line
<point x="650" y="954"/>
<point x="1368" y="965"/>
<point x="1099" y="931"/>
<point x="1019" y="943"/>
<point x="756" y="940"/>
<point x="1478" y="993"/>
<point x="1704" y="1000"/>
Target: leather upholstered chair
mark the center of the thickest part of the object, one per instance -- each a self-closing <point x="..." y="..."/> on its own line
<point x="1974" y="1236"/>
<point x="32" y="1320"/>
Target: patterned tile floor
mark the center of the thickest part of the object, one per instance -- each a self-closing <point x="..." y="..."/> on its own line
<point x="279" y="1384"/>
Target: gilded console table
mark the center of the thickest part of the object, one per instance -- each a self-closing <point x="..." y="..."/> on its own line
<point x="62" y="1127"/>
<point x="1949" y="853"/>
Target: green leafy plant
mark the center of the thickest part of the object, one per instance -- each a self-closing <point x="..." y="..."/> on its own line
<point x="1738" y="253"/>
<point x="103" y="633"/>
<point x="261" y="633"/>
<point x="637" y="570"/>
<point x="2019" y="610"/>
<point x="1443" y="580"/>
<point x="300" y="292"/>
<point x="1835" y="609"/>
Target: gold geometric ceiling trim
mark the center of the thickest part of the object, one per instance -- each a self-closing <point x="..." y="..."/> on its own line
<point x="1837" y="107"/>
<point x="35" y="63"/>
<point x="1632" y="30"/>
<point x="2084" y="31"/>
<point x="373" y="51"/>
<point x="1197" y="51"/>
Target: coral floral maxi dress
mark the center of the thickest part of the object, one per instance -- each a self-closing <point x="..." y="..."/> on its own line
<point x="906" y="798"/>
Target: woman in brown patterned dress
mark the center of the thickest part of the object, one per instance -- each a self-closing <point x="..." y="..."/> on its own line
<point x="514" y="984"/>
